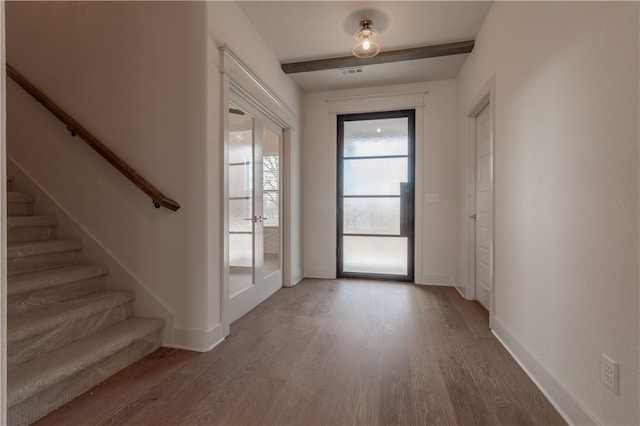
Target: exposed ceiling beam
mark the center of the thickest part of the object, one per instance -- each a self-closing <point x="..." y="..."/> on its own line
<point x="382" y="58"/>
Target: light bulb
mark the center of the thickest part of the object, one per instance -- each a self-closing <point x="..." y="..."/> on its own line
<point x="366" y="41"/>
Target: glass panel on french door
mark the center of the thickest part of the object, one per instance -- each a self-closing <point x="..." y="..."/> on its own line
<point x="271" y="200"/>
<point x="254" y="173"/>
<point x="241" y="235"/>
<point x="376" y="194"/>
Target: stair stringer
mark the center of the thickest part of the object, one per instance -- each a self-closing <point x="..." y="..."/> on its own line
<point x="147" y="303"/>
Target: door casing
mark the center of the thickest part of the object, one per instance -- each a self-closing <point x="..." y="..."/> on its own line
<point x="245" y="302"/>
<point x="485" y="98"/>
<point x="239" y="80"/>
<point x="483" y="212"/>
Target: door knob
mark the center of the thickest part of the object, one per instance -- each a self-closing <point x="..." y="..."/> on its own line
<point x="257" y="219"/>
<point x="473" y="216"/>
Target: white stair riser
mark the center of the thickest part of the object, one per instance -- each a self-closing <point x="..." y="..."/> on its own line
<point x="24" y="350"/>
<point x="19" y="209"/>
<point x="40" y="262"/>
<point x="30" y="233"/>
<point x="43" y="403"/>
<point x="27" y="302"/>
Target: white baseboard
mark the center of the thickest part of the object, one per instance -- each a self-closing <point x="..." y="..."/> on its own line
<point x="197" y="340"/>
<point x="458" y="288"/>
<point x="560" y="397"/>
<point x="296" y="281"/>
<point x="439" y="280"/>
<point x="322" y="273"/>
<point x="459" y="285"/>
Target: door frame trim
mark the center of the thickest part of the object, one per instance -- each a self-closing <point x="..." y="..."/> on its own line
<point x="383" y="101"/>
<point x="411" y="114"/>
<point x="239" y="79"/>
<point x="486" y="97"/>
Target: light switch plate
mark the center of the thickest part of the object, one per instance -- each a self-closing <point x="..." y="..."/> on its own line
<point x="432" y="198"/>
<point x="610" y="373"/>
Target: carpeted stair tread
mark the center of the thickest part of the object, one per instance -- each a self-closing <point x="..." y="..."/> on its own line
<point x="45" y="371"/>
<point x="65" y="333"/>
<point x="29" y="221"/>
<point x="40" y="321"/>
<point x="19" y="197"/>
<point x="32" y="281"/>
<point x="35" y="248"/>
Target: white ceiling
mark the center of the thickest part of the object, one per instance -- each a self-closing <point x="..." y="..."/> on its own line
<point x="305" y="30"/>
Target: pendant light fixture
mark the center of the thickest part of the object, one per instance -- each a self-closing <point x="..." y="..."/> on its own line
<point x="367" y="41"/>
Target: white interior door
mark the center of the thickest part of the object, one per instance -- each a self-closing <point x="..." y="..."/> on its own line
<point x="484" y="209"/>
<point x="254" y="222"/>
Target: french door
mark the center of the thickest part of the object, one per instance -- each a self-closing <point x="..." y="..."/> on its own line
<point x="254" y="219"/>
<point x="376" y="195"/>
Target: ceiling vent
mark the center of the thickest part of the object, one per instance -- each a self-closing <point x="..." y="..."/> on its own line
<point x="350" y="71"/>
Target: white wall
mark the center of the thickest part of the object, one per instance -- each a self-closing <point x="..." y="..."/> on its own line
<point x="227" y="24"/>
<point x="436" y="163"/>
<point x="566" y="194"/>
<point x="146" y="303"/>
<point x="139" y="76"/>
<point x="133" y="74"/>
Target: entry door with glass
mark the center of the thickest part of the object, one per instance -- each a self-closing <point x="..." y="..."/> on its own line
<point x="254" y="224"/>
<point x="375" y="195"/>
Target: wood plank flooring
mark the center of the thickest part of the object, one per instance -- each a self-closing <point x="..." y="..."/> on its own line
<point x="330" y="352"/>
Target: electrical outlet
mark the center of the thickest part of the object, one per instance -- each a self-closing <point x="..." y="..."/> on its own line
<point x="610" y="373"/>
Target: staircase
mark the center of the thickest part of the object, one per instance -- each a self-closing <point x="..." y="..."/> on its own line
<point x="66" y="332"/>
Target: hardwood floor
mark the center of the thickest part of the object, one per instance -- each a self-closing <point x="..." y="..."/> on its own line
<point x="330" y="352"/>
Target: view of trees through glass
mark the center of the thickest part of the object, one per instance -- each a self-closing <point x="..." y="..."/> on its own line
<point x="271" y="190"/>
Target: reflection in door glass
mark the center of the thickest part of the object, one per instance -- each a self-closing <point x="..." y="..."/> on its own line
<point x="240" y="201"/>
<point x="271" y="200"/>
<point x="366" y="138"/>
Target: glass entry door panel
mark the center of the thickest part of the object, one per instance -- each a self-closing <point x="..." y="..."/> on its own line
<point x="375" y="195"/>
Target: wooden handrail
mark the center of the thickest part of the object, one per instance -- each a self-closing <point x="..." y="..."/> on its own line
<point x="158" y="198"/>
